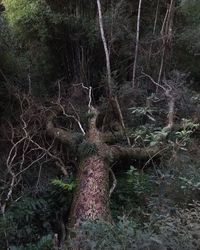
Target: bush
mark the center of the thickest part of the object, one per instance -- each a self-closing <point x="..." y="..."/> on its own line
<point x="177" y="232"/>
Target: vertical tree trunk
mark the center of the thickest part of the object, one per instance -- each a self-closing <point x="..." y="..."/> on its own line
<point x="108" y="68"/>
<point x="166" y="33"/>
<point x="154" y="32"/>
<point x="137" y="43"/>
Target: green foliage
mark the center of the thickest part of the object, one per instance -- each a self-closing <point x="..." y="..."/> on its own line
<point x="60" y="194"/>
<point x="28" y="23"/>
<point x="188" y="128"/>
<point x="45" y="243"/>
<point x="178" y="182"/>
<point x="53" y="40"/>
<point x="168" y="232"/>
<point x="187" y="36"/>
<point x="190" y="184"/>
<point x="139" y="181"/>
<point x="8" y="62"/>
<point x="104" y="236"/>
<point x="21" y="16"/>
<point x="47" y="38"/>
<point x="157" y="136"/>
<point x="143" y="111"/>
<point x="23" y="220"/>
<point x="149" y="136"/>
<point x="196" y="98"/>
<point x="87" y="149"/>
<point x="62" y="191"/>
<point x="31" y="222"/>
<point x="190" y="181"/>
<point x="130" y="195"/>
<point x="63" y="186"/>
<point x="154" y="135"/>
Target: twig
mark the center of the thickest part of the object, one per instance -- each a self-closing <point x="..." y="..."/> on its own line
<point x="114" y="182"/>
<point x="171" y="100"/>
<point x="154" y="82"/>
<point x="73" y="117"/>
<point x="153" y="156"/>
<point x="122" y="121"/>
<point x="89" y="93"/>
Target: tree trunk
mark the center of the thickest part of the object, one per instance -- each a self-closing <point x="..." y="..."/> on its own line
<point x="92" y="195"/>
<point x="137" y="43"/>
<point x="91" y="199"/>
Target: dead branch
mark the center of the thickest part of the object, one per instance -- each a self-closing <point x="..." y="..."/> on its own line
<point x="89" y="89"/>
<point x="114" y="182"/>
<point x="170" y="100"/>
<point x="58" y="133"/>
<point x="121" y="120"/>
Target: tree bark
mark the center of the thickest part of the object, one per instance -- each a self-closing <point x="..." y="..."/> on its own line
<point x="103" y="37"/>
<point x="92" y="195"/>
<point x="91" y="200"/>
<point x="121" y="153"/>
<point x="137" y="43"/>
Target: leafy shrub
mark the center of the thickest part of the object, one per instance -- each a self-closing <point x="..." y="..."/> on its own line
<point x="170" y="232"/>
<point x="130" y="196"/>
<point x="31" y="222"/>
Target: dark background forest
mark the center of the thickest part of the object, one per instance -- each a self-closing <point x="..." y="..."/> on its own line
<point x="141" y="76"/>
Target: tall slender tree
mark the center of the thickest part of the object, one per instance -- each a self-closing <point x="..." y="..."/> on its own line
<point x="137" y="43"/>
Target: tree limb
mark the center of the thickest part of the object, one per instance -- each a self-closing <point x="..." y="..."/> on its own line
<point x="58" y="133"/>
<point x="119" y="152"/>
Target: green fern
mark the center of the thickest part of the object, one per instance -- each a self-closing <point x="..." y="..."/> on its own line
<point x="63" y="186"/>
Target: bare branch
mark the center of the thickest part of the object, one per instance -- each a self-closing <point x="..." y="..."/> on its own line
<point x="154" y="82"/>
<point x="171" y="100"/>
<point x="114" y="182"/>
<point x="77" y="119"/>
<point x="122" y="121"/>
<point x="89" y="93"/>
<point x="58" y="133"/>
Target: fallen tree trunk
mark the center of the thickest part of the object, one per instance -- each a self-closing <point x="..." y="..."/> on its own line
<point x="91" y="199"/>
